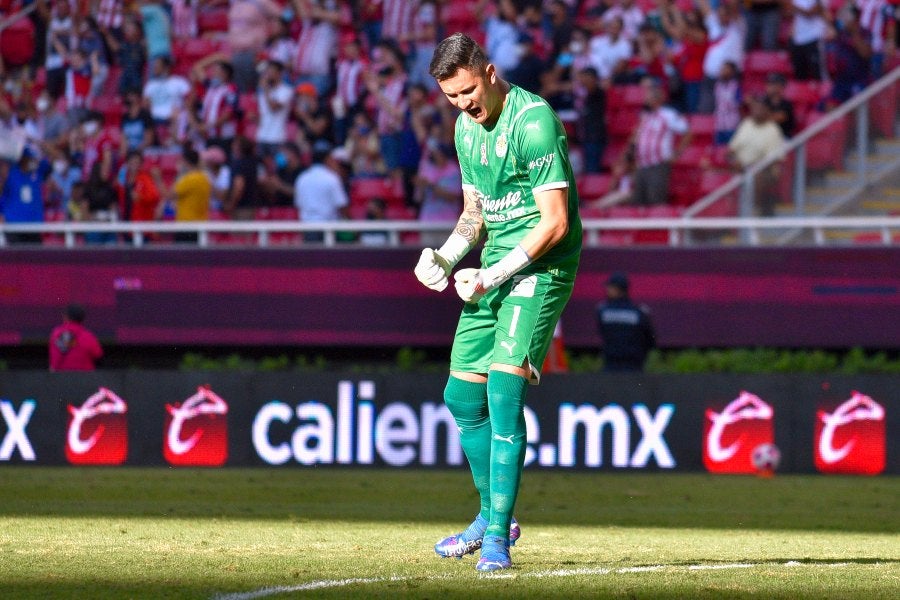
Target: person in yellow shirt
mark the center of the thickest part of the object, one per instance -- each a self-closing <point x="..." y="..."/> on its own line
<point x="757" y="137"/>
<point x="192" y="192"/>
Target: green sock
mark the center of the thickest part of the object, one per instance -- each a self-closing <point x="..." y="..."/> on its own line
<point x="467" y="402"/>
<point x="506" y="401"/>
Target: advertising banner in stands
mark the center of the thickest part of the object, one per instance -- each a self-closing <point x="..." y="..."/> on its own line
<point x="618" y="422"/>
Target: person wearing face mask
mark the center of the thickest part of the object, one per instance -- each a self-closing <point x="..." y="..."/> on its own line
<point x="219" y="174"/>
<point x="273" y="97"/>
<point x="99" y="147"/>
<point x="610" y="51"/>
<point x="279" y="185"/>
<point x="61" y="183"/>
<point x="51" y="124"/>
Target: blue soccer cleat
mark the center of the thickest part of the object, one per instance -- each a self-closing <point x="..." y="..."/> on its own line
<point x="467" y="542"/>
<point x="494" y="554"/>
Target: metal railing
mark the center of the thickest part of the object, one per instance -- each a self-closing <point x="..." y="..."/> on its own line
<point x="860" y="106"/>
<point x="16" y="16"/>
<point x="680" y="232"/>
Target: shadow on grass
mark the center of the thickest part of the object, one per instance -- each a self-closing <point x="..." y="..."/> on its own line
<point x="434" y="497"/>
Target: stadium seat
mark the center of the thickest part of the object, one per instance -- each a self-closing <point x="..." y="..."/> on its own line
<point x="626" y="211"/>
<point x="692" y="157"/>
<point x="54" y="215"/>
<point x="702" y="128"/>
<point x="212" y="20"/>
<point x="589" y="212"/>
<point x="400" y="213"/>
<point x="277" y="213"/>
<point x="718" y="157"/>
<point x="873" y="237"/>
<point x="281" y="213"/>
<point x="613" y="153"/>
<point x="363" y="189"/>
<point x="625" y="96"/>
<point x="826" y="150"/>
<point x="883" y="113"/>
<point x="622" y="123"/>
<point x="759" y="63"/>
<point x="805" y="95"/>
<point x="194" y="49"/>
<point x="228" y="238"/>
<point x="111" y="107"/>
<point x="459" y="15"/>
<point x="683" y="188"/>
<point x="592" y="186"/>
<point x="663" y="211"/>
<point x="768" y="61"/>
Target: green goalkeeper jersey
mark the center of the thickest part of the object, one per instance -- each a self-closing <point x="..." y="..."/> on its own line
<point x="523" y="152"/>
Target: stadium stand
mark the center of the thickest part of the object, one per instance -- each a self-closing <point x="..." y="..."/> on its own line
<point x="699" y="170"/>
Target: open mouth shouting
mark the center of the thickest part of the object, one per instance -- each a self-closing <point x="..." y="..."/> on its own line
<point x="475" y="112"/>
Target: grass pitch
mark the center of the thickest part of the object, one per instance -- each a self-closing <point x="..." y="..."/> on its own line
<point x="316" y="533"/>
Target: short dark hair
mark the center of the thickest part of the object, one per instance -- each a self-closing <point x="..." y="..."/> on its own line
<point x="227" y="68"/>
<point x="75" y="312"/>
<point x="190" y="156"/>
<point x="456" y="52"/>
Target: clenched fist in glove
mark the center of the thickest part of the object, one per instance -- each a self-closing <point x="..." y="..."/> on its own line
<point x="432" y="270"/>
<point x="469" y="284"/>
<point x="434" y="266"/>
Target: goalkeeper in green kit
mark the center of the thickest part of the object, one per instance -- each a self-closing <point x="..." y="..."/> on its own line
<point x="519" y="193"/>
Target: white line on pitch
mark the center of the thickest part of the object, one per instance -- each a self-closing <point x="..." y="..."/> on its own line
<point x="336" y="583"/>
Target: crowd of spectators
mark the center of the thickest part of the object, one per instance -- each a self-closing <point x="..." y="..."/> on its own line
<point x="323" y="109"/>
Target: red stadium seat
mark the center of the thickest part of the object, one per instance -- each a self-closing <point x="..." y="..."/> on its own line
<point x="212" y="20"/>
<point x="281" y="213"/>
<point x="702" y="128"/>
<point x="768" y="61"/>
<point x="622" y="123"/>
<point x="613" y="153"/>
<point x="277" y="213"/>
<point x="53" y="215"/>
<point x="459" y="15"/>
<point x="626" y="212"/>
<point x="826" y="150"/>
<point x="692" y="157"/>
<point x="805" y="95"/>
<point x="663" y="211"/>
<point x="883" y="112"/>
<point x="718" y="157"/>
<point x="592" y="186"/>
<point x="400" y="213"/>
<point x="589" y="212"/>
<point x="625" y="96"/>
<point x="759" y="63"/>
<point x="194" y="49"/>
<point x="363" y="189"/>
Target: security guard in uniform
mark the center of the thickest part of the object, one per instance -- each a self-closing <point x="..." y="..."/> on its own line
<point x="625" y="328"/>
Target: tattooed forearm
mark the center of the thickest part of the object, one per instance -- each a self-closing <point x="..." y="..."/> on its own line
<point x="471" y="222"/>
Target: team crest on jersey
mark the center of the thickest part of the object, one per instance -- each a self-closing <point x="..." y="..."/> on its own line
<point x="501" y="146"/>
<point x="484" y="160"/>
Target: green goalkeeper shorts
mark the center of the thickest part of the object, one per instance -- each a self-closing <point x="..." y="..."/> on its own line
<point x="511" y="323"/>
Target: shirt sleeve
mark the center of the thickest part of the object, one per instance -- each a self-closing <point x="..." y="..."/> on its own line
<point x="463" y="154"/>
<point x="540" y="145"/>
<point x="677" y="122"/>
<point x="340" y="195"/>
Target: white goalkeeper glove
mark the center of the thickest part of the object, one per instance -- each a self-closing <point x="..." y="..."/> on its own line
<point x="432" y="270"/>
<point x="434" y="266"/>
<point x="471" y="284"/>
